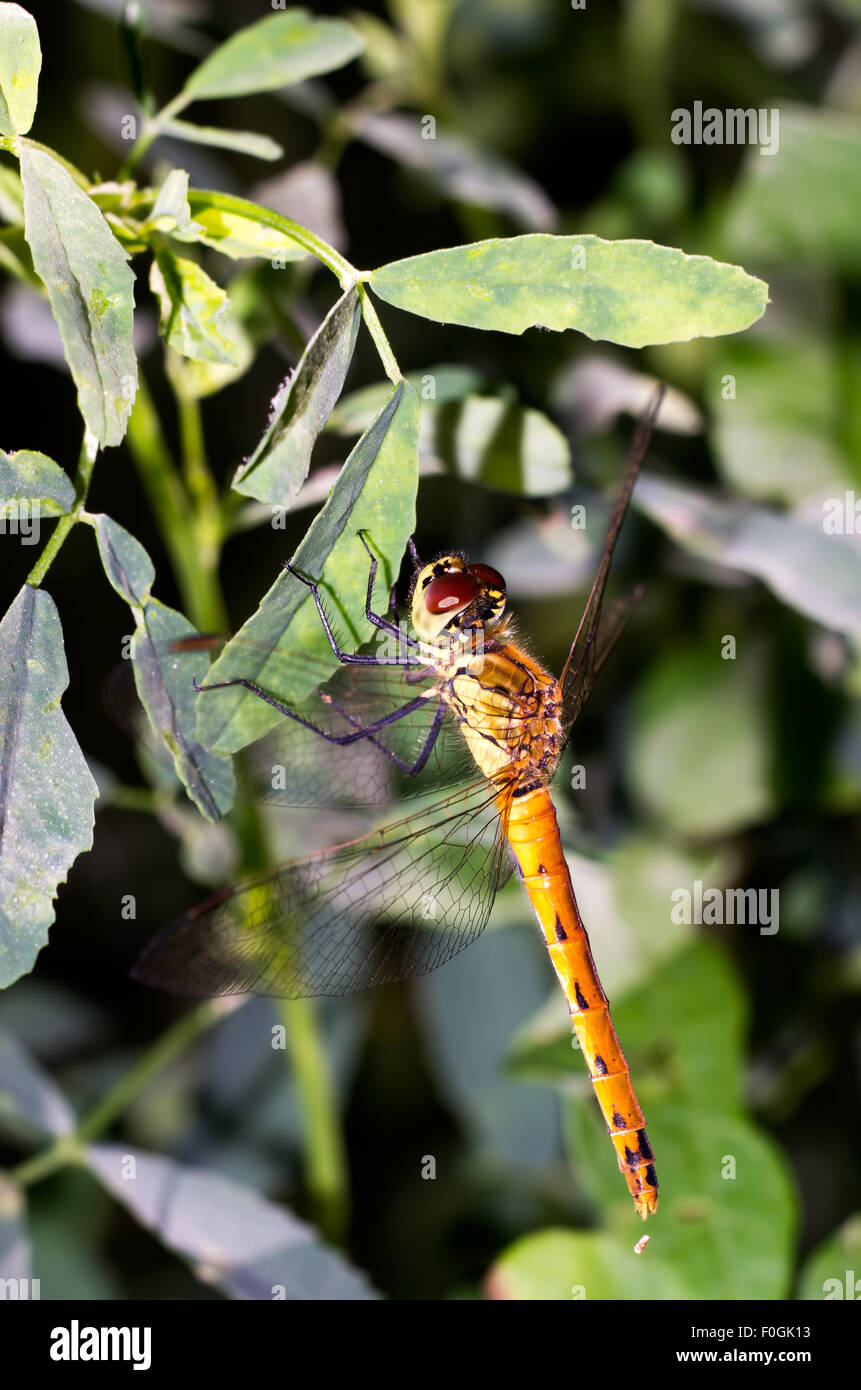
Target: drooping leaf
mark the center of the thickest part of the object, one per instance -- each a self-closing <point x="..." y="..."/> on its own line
<point x="805" y="565"/>
<point x="46" y="790"/>
<point x="28" y="1098"/>
<point x="275" y="52"/>
<point x="127" y="565"/>
<point x="459" y="168"/>
<point x="192" y="309"/>
<point x="228" y="1235"/>
<point x="90" y="287"/>
<point x="628" y="292"/>
<point x="165" y="686"/>
<point x="696" y="785"/>
<point x="32" y="477"/>
<point x="279" y="465"/>
<point x="374" y="491"/>
<point x="242" y="141"/>
<point x="20" y="63"/>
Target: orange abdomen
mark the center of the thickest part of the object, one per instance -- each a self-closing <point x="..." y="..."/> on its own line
<point x="534" y="837"/>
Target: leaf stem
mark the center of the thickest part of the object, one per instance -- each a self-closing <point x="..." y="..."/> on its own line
<point x="151" y="128"/>
<point x="86" y="463"/>
<point x="375" y="328"/>
<point x="327" y="1175"/>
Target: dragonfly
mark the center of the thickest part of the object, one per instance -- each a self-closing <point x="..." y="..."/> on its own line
<point x="455" y="702"/>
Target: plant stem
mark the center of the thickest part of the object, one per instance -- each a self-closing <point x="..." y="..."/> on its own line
<point x="151" y="129"/>
<point x="375" y="328"/>
<point x="347" y="274"/>
<point x="327" y="1175"/>
<point x="86" y="463"/>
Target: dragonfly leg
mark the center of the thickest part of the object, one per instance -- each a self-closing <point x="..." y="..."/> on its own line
<point x="385" y="624"/>
<point x="349" y="658"/>
<point x="359" y="732"/>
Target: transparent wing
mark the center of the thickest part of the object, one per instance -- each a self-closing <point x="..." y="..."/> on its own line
<point x="299" y="763"/>
<point x="394" y="904"/>
<point x="583" y="664"/>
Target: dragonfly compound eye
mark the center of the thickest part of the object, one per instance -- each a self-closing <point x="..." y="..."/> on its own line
<point x="449" y="593"/>
<point x="488" y="576"/>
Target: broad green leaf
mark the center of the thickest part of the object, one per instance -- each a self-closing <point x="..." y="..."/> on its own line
<point x="457" y="167"/>
<point x="805" y="565"/>
<point x="242" y="141"/>
<point x="833" y="1270"/>
<point x="679" y="1044"/>
<point x="90" y="287"/>
<point x="698" y="757"/>
<point x="29" y="1100"/>
<point x="28" y="476"/>
<point x="128" y="567"/>
<point x="275" y="52"/>
<point x="777" y="435"/>
<point x="770" y="217"/>
<point x="628" y="292"/>
<point x="193" y="309"/>
<point x="374" y="491"/>
<point x="20" y="63"/>
<point x="229" y="1235"/>
<point x="165" y="686"/>
<point x="726" y="1206"/>
<point x="591" y="1265"/>
<point x="279" y="465"/>
<point x="46" y="791"/>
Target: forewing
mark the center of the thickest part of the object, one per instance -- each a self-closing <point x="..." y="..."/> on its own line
<point x="392" y="905"/>
<point x="583" y="661"/>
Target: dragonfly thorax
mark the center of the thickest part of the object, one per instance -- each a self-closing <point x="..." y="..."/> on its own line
<point x="452" y="595"/>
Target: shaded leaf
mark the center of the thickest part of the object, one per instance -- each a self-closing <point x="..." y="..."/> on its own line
<point x="20" y="63"/>
<point x="275" y="52"/>
<point x="30" y="476"/>
<point x="27" y="1096"/>
<point x="553" y="1265"/>
<point x="127" y="565"/>
<point x="192" y="309"/>
<point x="814" y="571"/>
<point x="698" y="757"/>
<point x="90" y="287"/>
<point x="375" y="490"/>
<point x="230" y="1236"/>
<point x="14" y="1241"/>
<point x="242" y="141"/>
<point x="435" y="385"/>
<point x="279" y="465"/>
<point x="833" y="1269"/>
<point x="628" y="292"/>
<point x="457" y="167"/>
<point x="46" y="790"/>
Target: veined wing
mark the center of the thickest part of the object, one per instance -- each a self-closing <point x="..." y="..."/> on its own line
<point x="394" y="904"/>
<point x="589" y="649"/>
<point x="318" y="757"/>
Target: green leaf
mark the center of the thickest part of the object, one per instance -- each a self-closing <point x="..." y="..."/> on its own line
<point x="833" y="1270"/>
<point x="29" y="1100"/>
<point x="556" y="1265"/>
<point x="33" y="477"/>
<point x="820" y="152"/>
<point x="11" y="196"/>
<point x="165" y="686"/>
<point x="694" y="783"/>
<point x="239" y="237"/>
<point x="275" y="52"/>
<point x="374" y="491"/>
<point x="814" y="571"/>
<point x="435" y="386"/>
<point x="127" y="565"/>
<point x="279" y="465"/>
<point x="242" y="141"/>
<point x="628" y="292"/>
<point x="227" y="1233"/>
<point x="46" y="791"/>
<point x="193" y="309"/>
<point x="90" y="287"/>
<point x="20" y="63"/>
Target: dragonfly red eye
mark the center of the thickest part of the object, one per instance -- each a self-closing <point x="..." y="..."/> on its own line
<point x="486" y="574"/>
<point x="450" y="592"/>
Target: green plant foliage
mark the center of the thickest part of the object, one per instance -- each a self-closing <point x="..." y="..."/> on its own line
<point x="46" y="791"/>
<point x="277" y="50"/>
<point x="29" y="475"/>
<point x="20" y="62"/>
<point x="628" y="292"/>
<point x="193" y="310"/>
<point x="833" y="1269"/>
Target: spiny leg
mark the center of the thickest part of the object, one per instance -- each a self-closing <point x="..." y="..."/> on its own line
<point x="350" y="658"/>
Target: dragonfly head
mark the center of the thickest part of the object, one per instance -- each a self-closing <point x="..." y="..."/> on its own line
<point x="451" y="594"/>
